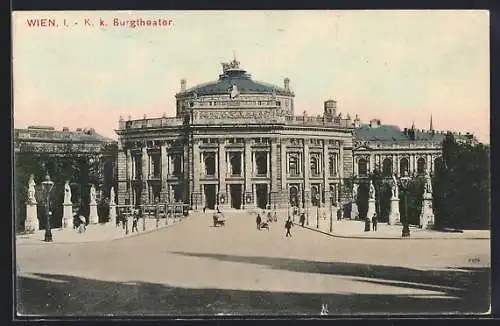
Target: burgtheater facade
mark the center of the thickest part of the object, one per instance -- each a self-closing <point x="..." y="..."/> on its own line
<point x="237" y="143"/>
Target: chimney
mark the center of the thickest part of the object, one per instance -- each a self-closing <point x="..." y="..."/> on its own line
<point x="183" y="85"/>
<point x="65" y="129"/>
<point x="287" y="83"/>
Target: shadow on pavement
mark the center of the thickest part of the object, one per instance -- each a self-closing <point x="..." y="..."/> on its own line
<point x="463" y="291"/>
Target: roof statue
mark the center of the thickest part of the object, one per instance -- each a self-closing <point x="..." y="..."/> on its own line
<point x="234" y="91"/>
<point x="234" y="65"/>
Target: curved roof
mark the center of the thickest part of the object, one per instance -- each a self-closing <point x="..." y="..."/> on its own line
<point x="243" y="82"/>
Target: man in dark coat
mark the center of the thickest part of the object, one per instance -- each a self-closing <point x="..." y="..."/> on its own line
<point x="374" y="222"/>
<point x="258" y="221"/>
<point x="288" y="226"/>
<point x="302" y="219"/>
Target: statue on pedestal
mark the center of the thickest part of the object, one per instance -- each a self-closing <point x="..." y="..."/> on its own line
<point x="112" y="196"/>
<point x="355" y="191"/>
<point x="395" y="188"/>
<point x="31" y="190"/>
<point x="92" y="195"/>
<point x="67" y="193"/>
<point x="372" y="191"/>
<point x="428" y="184"/>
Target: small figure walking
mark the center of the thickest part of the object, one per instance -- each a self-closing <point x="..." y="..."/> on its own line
<point x="374" y="222"/>
<point x="288" y="226"/>
<point x="276" y="217"/>
<point x="134" y="222"/>
<point x="302" y="219"/>
<point x="258" y="221"/>
<point x="269" y="217"/>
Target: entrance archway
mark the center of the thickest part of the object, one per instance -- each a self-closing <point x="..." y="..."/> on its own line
<point x="210" y="196"/>
<point x="236" y="193"/>
<point x="385" y="202"/>
<point x="262" y="195"/>
<point x="294" y="196"/>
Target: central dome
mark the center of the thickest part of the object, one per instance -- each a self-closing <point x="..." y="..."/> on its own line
<point x="233" y="75"/>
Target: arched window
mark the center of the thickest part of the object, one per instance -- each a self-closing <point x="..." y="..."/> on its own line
<point x="387" y="167"/>
<point x="421" y="166"/>
<point x="261" y="160"/>
<point x="235" y="161"/>
<point x="293" y="165"/>
<point x="210" y="164"/>
<point x="404" y="166"/>
<point x="314" y="166"/>
<point x="362" y="167"/>
<point x="294" y="196"/>
<point x="332" y="165"/>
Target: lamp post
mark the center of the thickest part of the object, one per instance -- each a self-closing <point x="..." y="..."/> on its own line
<point x="143" y="213"/>
<point x="307" y="209"/>
<point x="405" y="181"/>
<point x="47" y="187"/>
<point x="317" y="211"/>
<point x="331" y="213"/>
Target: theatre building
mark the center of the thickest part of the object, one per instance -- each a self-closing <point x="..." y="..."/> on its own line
<point x="237" y="143"/>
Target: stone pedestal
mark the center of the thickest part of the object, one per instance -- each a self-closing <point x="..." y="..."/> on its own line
<point x="93" y="217"/>
<point x="112" y="213"/>
<point x="427" y="214"/>
<point x="67" y="219"/>
<point x="394" y="216"/>
<point x="371" y="208"/>
<point x="31" y="223"/>
<point x="354" y="211"/>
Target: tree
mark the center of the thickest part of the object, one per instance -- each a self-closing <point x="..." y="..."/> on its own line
<point x="462" y="186"/>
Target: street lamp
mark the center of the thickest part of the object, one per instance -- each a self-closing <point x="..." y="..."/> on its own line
<point x="405" y="181"/>
<point x="317" y="211"/>
<point x="331" y="213"/>
<point x="47" y="185"/>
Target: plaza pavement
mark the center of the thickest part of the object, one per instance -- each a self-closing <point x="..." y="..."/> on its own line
<point x="196" y="269"/>
<point x="94" y="232"/>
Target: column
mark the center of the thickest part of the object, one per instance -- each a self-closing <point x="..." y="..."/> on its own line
<point x="307" y="185"/>
<point x="223" y="199"/>
<point x="372" y="163"/>
<point x="144" y="174"/>
<point x="398" y="165"/>
<point x="394" y="164"/>
<point x="274" y="173"/>
<point x="341" y="171"/>
<point x="284" y="165"/>
<point x="268" y="162"/>
<point x="130" y="176"/>
<point x="248" y="174"/>
<point x="411" y="164"/>
<point x="164" y="173"/>
<point x="429" y="163"/>
<point x="326" y="171"/>
<point x="196" y="175"/>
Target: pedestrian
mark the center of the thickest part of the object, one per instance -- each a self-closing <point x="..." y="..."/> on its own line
<point x="269" y="217"/>
<point x="258" y="221"/>
<point x="134" y="222"/>
<point x="302" y="219"/>
<point x="288" y="226"/>
<point x="339" y="213"/>
<point x="374" y="222"/>
<point x="204" y="209"/>
<point x="275" y="217"/>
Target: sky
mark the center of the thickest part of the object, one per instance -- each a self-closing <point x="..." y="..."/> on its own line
<point x="398" y="66"/>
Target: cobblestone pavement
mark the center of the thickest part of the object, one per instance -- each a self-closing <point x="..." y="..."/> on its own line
<point x="195" y="268"/>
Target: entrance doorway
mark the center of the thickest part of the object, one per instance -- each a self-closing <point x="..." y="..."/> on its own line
<point x="210" y="196"/>
<point x="235" y="196"/>
<point x="262" y="195"/>
<point x="294" y="196"/>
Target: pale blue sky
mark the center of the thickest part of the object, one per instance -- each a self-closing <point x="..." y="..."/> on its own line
<point x="394" y="65"/>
